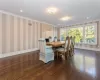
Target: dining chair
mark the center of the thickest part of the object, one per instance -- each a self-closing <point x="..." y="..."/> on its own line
<point x="72" y="40"/>
<point x="73" y="43"/>
<point x="64" y="51"/>
<point x="46" y="52"/>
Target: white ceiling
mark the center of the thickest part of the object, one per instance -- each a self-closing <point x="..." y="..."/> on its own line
<point x="36" y="9"/>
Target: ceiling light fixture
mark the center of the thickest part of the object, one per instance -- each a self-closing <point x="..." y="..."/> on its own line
<point x="65" y="18"/>
<point x="52" y="10"/>
<point x="21" y="10"/>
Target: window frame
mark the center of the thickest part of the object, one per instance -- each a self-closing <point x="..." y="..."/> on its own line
<point x="84" y="25"/>
<point x="60" y="32"/>
<point x="77" y="27"/>
<point x="95" y="33"/>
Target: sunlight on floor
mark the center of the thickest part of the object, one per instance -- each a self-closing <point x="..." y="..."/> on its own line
<point x="85" y="64"/>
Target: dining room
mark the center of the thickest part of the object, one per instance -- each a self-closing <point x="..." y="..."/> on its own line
<point x="49" y="40"/>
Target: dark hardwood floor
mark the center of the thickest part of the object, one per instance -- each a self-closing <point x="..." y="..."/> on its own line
<point x="84" y="65"/>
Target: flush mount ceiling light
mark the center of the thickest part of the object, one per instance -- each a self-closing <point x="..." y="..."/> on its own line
<point x="52" y="10"/>
<point x="21" y="10"/>
<point x="66" y="18"/>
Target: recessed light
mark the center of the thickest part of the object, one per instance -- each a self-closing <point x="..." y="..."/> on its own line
<point x="65" y="18"/>
<point x="52" y="10"/>
<point x="21" y="10"/>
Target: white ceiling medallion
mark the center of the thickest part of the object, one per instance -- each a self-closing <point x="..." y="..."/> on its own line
<point x="52" y="10"/>
<point x="66" y="18"/>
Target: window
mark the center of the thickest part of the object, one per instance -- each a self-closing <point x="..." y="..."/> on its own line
<point x="77" y="32"/>
<point x="86" y="34"/>
<point x="90" y="34"/>
<point x="62" y="34"/>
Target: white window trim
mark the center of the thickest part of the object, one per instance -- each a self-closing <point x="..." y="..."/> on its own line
<point x="95" y="24"/>
<point x="60" y="32"/>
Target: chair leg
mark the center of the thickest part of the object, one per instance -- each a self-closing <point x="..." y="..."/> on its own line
<point x="64" y="56"/>
<point x="57" y="55"/>
<point x="70" y="53"/>
<point x="67" y="55"/>
<point x="73" y="50"/>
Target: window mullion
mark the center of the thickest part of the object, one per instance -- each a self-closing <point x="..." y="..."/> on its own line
<point x="83" y="34"/>
<point x="95" y="33"/>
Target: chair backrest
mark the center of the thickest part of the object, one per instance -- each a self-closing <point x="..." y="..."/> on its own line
<point x="67" y="43"/>
<point x="72" y="41"/>
<point x="42" y="45"/>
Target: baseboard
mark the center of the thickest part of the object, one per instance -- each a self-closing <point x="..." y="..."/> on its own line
<point x="85" y="48"/>
<point x="30" y="50"/>
<point x="17" y="52"/>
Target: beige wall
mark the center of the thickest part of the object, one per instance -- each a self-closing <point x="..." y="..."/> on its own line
<point x="58" y="33"/>
<point x="47" y="30"/>
<point x="18" y="33"/>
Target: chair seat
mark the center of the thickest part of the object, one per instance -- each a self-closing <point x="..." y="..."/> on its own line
<point x="48" y="47"/>
<point x="60" y="50"/>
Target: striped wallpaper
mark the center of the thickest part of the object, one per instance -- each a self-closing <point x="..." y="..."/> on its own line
<point x="18" y="33"/>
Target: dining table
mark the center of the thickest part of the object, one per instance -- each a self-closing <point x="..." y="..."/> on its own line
<point x="56" y="44"/>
